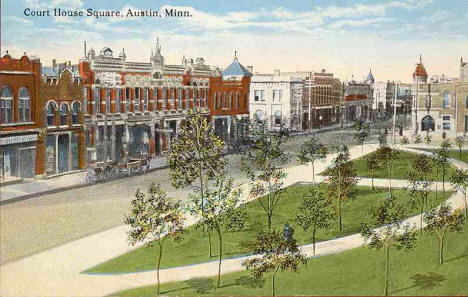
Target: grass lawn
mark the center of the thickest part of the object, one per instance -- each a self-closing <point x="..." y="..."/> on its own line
<point x="354" y="272"/>
<point x="400" y="166"/>
<point x="455" y="154"/>
<point x="194" y="247"/>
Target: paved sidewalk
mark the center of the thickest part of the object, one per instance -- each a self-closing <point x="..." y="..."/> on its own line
<point x="56" y="272"/>
<point x="33" y="188"/>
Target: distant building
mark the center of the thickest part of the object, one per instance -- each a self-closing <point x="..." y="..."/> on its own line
<point x="357" y="101"/>
<point x="277" y="100"/>
<point x="440" y="107"/>
<point x="21" y="118"/>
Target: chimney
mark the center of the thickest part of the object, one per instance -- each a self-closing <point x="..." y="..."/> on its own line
<point x="277" y="72"/>
<point x="250" y="68"/>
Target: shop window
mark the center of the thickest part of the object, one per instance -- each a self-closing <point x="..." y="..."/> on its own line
<point x="24" y="104"/>
<point x="6" y="105"/>
<point x="446" y="126"/>
<point x="259" y="116"/>
<point x="277" y="118"/>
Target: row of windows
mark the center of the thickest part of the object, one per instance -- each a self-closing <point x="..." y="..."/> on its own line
<point x="7" y="108"/>
<point x="140" y="96"/>
<point x="259" y="95"/>
<point x="64" y="110"/>
<point x="220" y="100"/>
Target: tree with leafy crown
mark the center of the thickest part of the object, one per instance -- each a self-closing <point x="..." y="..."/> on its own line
<point x="196" y="156"/>
<point x="459" y="141"/>
<point x="263" y="163"/>
<point x="311" y="151"/>
<point x="222" y="210"/>
<point x="459" y="180"/>
<point x="154" y="218"/>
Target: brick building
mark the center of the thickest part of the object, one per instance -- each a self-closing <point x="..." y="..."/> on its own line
<point x="440" y="108"/>
<point x="62" y="95"/>
<point x="21" y="121"/>
<point x="135" y="108"/>
<point x="228" y="100"/>
<point x="357" y="101"/>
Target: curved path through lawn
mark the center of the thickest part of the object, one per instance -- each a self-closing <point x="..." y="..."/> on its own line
<point x="57" y="272"/>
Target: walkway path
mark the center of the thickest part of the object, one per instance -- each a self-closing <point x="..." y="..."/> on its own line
<point x="56" y="272"/>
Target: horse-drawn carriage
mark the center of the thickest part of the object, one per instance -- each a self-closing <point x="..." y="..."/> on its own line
<point x="102" y="171"/>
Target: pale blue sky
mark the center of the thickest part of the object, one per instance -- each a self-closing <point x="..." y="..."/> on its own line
<point x="345" y="37"/>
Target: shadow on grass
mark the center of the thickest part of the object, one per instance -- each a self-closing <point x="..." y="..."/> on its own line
<point x="465" y="254"/>
<point x="427" y="281"/>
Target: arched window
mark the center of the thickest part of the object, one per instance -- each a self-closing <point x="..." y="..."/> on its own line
<point x="428" y="124"/>
<point x="6" y="105"/>
<point x="51" y="109"/>
<point x="63" y="114"/>
<point x="24" y="104"/>
<point x="277" y="118"/>
<point x="446" y="100"/>
<point x="76" y="108"/>
<point x="259" y="116"/>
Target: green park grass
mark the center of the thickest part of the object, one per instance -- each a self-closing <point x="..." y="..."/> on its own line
<point x="455" y="154"/>
<point x="400" y="167"/>
<point x="358" y="272"/>
<point x="194" y="246"/>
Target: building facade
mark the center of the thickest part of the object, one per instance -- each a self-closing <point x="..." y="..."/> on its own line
<point x="277" y="100"/>
<point x="133" y="109"/>
<point x="228" y="100"/>
<point x="357" y="101"/>
<point x="62" y="94"/>
<point x="440" y="108"/>
<point x="21" y="120"/>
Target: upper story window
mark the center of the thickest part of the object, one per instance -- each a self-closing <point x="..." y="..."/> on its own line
<point x="118" y="100"/>
<point x="164" y="94"/>
<point x="231" y="98"/>
<point x="76" y="109"/>
<point x="259" y="95"/>
<point x="214" y="100"/>
<point x="224" y="100"/>
<point x="108" y="100"/>
<point x="446" y="100"/>
<point x="85" y="99"/>
<point x="136" y="102"/>
<point x="51" y="109"/>
<point x="237" y="100"/>
<point x="127" y="99"/>
<point x="277" y="95"/>
<point x="63" y="114"/>
<point x="6" y="105"/>
<point x="145" y="99"/>
<point x="24" y="104"/>
<point x="179" y="98"/>
<point x="97" y="100"/>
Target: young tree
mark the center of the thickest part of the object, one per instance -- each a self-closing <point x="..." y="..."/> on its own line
<point x="278" y="252"/>
<point x="459" y="141"/>
<point x="195" y="156"/>
<point x="442" y="220"/>
<point x="420" y="179"/>
<point x="154" y="217"/>
<point x="459" y="181"/>
<point x="222" y="210"/>
<point x="314" y="212"/>
<point x="443" y="160"/>
<point x="361" y="132"/>
<point x="428" y="138"/>
<point x="263" y="163"/>
<point x="311" y="151"/>
<point x="417" y="139"/>
<point x="340" y="186"/>
<point x="373" y="164"/>
<point x="387" y="156"/>
<point x="393" y="234"/>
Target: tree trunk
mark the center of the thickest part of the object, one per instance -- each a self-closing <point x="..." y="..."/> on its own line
<point x="372" y="178"/>
<point x="202" y="192"/>
<point x="273" y="281"/>
<point x="421" y="210"/>
<point x="209" y="243"/>
<point x="269" y="220"/>
<point x="220" y="256"/>
<point x="313" y="173"/>
<point x="443" y="182"/>
<point x="466" y="206"/>
<point x="313" y="240"/>
<point x="159" y="265"/>
<point x="459" y="151"/>
<point x="441" y="246"/>
<point x="339" y="214"/>
<point x="437" y="178"/>
<point x="386" y="270"/>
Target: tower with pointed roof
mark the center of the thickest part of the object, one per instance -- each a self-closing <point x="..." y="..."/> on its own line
<point x="420" y="73"/>
<point x="370" y="77"/>
<point x="235" y="70"/>
<point x="157" y="60"/>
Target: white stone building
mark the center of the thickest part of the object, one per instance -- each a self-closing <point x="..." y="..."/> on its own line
<point x="276" y="99"/>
